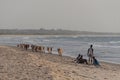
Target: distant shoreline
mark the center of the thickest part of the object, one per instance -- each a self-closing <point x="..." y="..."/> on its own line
<point x="51" y="32"/>
<point x="61" y="35"/>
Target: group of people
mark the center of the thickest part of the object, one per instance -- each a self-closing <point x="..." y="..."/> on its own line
<point x="91" y="58"/>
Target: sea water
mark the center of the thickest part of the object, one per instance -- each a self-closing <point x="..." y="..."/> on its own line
<point x="106" y="48"/>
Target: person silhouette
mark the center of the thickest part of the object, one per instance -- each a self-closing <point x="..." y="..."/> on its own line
<point x="90" y="54"/>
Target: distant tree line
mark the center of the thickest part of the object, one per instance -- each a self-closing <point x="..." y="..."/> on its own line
<point x="49" y="32"/>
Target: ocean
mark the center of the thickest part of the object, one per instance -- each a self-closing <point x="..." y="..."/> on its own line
<point x="106" y="48"/>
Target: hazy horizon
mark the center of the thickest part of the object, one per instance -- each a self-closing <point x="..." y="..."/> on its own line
<point x="80" y="15"/>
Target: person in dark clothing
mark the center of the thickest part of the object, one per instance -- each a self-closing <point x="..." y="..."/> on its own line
<point x="95" y="61"/>
<point x="80" y="59"/>
<point x="77" y="59"/>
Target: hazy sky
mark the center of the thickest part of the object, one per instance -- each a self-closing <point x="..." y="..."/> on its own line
<point x="83" y="15"/>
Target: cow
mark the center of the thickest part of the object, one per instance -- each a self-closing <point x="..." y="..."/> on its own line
<point x="49" y="49"/>
<point x="60" y="51"/>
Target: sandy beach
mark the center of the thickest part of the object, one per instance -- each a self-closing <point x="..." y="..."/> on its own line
<point x="18" y="64"/>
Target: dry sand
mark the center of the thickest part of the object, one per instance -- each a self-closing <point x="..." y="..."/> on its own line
<point x="17" y="64"/>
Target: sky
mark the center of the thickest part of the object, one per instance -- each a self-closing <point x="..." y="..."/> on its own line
<point x="82" y="15"/>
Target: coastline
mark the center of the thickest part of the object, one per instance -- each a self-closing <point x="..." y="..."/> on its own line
<point x="74" y="35"/>
<point x="18" y="64"/>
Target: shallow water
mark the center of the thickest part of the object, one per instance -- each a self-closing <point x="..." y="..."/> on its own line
<point x="105" y="48"/>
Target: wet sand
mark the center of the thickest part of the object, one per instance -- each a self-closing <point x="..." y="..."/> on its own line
<point x="18" y="64"/>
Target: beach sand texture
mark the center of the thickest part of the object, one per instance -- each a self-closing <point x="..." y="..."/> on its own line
<point x="18" y="64"/>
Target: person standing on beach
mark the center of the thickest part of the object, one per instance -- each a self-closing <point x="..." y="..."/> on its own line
<point x="90" y="54"/>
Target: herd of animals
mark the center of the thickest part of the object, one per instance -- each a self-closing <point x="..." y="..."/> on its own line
<point x="41" y="49"/>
